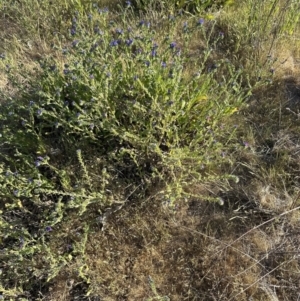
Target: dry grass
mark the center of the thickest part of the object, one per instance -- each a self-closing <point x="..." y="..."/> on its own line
<point x="247" y="249"/>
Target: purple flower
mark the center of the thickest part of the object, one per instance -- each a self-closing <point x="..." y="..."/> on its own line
<point x="75" y="43"/>
<point x="147" y="63"/>
<point x="221" y="34"/>
<point x="200" y="21"/>
<point x="39" y="112"/>
<point x="48" y="229"/>
<point x="172" y="45"/>
<point x="119" y="31"/>
<point x="69" y="248"/>
<point x="164" y="64"/>
<point x="153" y="53"/>
<point x="114" y="43"/>
<point x="73" y="31"/>
<point x="66" y="71"/>
<point x="129" y="42"/>
<point x="128" y="3"/>
<point x="142" y="22"/>
<point x="37" y="163"/>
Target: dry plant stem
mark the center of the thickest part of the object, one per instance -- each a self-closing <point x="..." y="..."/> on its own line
<point x="224" y="243"/>
<point x="261" y="278"/>
<point x="227" y="245"/>
<point x="262" y="224"/>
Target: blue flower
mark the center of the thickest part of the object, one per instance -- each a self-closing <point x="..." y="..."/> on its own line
<point x="128" y="3"/>
<point x="164" y="64"/>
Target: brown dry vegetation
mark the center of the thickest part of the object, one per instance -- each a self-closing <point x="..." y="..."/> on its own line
<point x="245" y="249"/>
